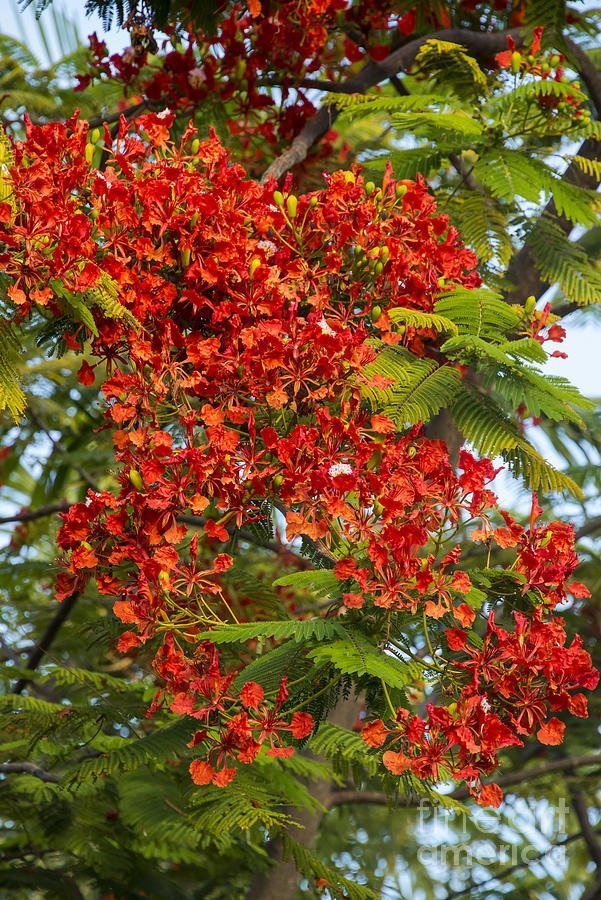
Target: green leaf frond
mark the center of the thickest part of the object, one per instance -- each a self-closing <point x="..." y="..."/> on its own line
<point x="153" y="749"/>
<point x="355" y="655"/>
<point x="563" y="262"/>
<point x="480" y="312"/>
<point x="451" y="65"/>
<point x="417" y="319"/>
<point x="309" y="865"/>
<point x="420" y="387"/>
<point x="296" y="630"/>
<point x="483" y="226"/>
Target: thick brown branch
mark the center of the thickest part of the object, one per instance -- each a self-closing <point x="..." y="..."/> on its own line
<point x="482" y="45"/>
<point x="28" y="768"/>
<point x="30" y="515"/>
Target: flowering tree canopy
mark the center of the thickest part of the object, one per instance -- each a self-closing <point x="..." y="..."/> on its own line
<point x="324" y="370"/>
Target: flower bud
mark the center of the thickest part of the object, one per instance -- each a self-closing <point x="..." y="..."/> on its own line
<point x="254" y="265"/>
<point x="376" y="312"/>
<point x="136" y="479"/>
<point x="89" y="153"/>
<point x="278" y="198"/>
<point x="516" y="62"/>
<point x="195" y="146"/>
<point x="292" y="205"/>
<point x="370" y="188"/>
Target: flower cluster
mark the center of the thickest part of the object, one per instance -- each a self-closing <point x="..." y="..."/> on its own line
<point x="546" y="66"/>
<point x="516" y="677"/>
<point x="236" y="325"/>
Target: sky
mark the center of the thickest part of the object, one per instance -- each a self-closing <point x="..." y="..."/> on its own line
<point x="583" y="341"/>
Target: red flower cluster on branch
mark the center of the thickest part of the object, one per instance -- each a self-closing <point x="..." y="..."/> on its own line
<point x="237" y="325"/>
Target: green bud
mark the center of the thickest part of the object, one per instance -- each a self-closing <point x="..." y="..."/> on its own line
<point x="516" y="62"/>
<point x="185" y="257"/>
<point x="400" y="190"/>
<point x="195" y="146"/>
<point x="89" y="153"/>
<point x="370" y="188"/>
<point x="95" y="135"/>
<point x="376" y="312"/>
<point x="278" y="198"/>
<point x="292" y="205"/>
<point x="313" y="202"/>
<point x="254" y="265"/>
<point x="136" y="479"/>
<point x="554" y="60"/>
<point x="277" y="481"/>
<point x="379" y="267"/>
<point x="530" y="304"/>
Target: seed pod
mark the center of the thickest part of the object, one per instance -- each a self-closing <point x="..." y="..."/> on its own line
<point x="516" y="62"/>
<point x="136" y="479"/>
<point x="89" y="153"/>
<point x="254" y="265"/>
<point x="292" y="205"/>
<point x="278" y="198"/>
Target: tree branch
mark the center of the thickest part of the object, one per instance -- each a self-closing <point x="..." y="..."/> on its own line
<point x="47" y="639"/>
<point x="505" y="873"/>
<point x="29" y="768"/>
<point x="378" y="798"/>
<point x="483" y="45"/>
<point x="29" y="515"/>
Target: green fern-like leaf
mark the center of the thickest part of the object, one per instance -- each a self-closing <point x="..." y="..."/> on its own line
<point x="297" y="630"/>
<point x="357" y="656"/>
<point x="483" y="226"/>
<point x="313" y="868"/>
<point x="480" y="312"/>
<point x="417" y="319"/>
<point x="484" y="424"/>
<point x="11" y="393"/>
<point x="321" y="582"/>
<point x="151" y="749"/>
<point x="418" y="388"/>
<point x="563" y="262"/>
<point x="451" y="65"/>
